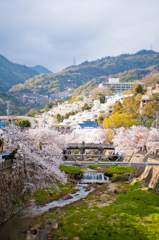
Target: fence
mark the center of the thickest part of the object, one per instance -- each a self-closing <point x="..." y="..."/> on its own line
<point x="5" y="164"/>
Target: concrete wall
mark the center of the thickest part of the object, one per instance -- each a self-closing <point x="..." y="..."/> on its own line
<point x="149" y="173"/>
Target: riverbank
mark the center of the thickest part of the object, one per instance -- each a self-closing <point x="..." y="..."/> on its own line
<point x="124" y="208"/>
<point x="112" y="211"/>
<point x="115" y="210"/>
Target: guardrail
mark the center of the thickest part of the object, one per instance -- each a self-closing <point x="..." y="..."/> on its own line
<point x="99" y="159"/>
<point x="5" y="164"/>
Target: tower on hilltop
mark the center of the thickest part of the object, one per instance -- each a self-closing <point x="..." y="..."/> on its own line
<point x="74" y="61"/>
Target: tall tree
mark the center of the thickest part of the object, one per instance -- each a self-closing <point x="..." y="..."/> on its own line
<point x="150" y="108"/>
<point x="23" y="123"/>
<point x="133" y="139"/>
<point x="131" y="105"/>
<point x="39" y="165"/>
<point x="118" y="108"/>
<point x="100" y="119"/>
<point x="118" y="120"/>
<point x="138" y="89"/>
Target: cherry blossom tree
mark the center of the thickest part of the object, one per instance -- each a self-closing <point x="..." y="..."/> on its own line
<point x="37" y="155"/>
<point x="133" y="139"/>
<point x="87" y="135"/>
<point x="153" y="141"/>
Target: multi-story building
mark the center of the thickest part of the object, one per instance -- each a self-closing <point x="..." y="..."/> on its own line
<point x="61" y="95"/>
<point x="118" y="87"/>
<point x="35" y="98"/>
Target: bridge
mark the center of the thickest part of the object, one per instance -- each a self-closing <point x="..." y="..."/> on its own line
<point x="101" y="159"/>
<point x="98" y="159"/>
<point x="83" y="146"/>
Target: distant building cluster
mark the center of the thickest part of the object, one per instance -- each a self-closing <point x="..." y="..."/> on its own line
<point x="61" y="95"/>
<point x="118" y="87"/>
<point x="74" y="121"/>
<point x="34" y="98"/>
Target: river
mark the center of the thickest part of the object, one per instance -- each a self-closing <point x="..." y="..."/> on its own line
<point x="17" y="227"/>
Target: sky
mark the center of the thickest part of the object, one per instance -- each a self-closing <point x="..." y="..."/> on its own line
<point x="52" y="32"/>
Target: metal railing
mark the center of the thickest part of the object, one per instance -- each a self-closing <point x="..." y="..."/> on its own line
<point x="5" y="164"/>
<point x="98" y="159"/>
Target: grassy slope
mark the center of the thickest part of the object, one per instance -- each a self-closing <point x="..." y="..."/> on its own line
<point x="130" y="212"/>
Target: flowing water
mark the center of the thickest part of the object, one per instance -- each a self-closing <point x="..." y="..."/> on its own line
<point x="16" y="227"/>
<point x="94" y="178"/>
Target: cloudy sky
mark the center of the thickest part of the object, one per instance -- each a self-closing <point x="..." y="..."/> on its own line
<point x="52" y="32"/>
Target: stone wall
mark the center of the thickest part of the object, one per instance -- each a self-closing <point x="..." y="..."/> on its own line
<point x="149" y="173"/>
<point x="11" y="196"/>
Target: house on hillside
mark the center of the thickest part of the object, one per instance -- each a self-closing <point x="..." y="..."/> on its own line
<point x="2" y="125"/>
<point x="87" y="124"/>
<point x="148" y="96"/>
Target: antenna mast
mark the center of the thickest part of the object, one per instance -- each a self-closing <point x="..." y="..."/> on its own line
<point x="74" y="61"/>
<point x="151" y="47"/>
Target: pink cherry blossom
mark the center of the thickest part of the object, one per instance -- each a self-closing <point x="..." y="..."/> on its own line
<point x="88" y="135"/>
<point x="38" y="155"/>
<point x="133" y="139"/>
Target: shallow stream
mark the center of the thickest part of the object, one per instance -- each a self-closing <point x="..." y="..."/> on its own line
<point x="17" y="228"/>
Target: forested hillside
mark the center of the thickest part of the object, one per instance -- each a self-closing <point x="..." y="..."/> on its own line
<point x="128" y="67"/>
<point x="16" y="106"/>
<point x="11" y="73"/>
<point x="41" y="69"/>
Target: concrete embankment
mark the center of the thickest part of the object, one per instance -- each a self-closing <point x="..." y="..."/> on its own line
<point x="150" y="174"/>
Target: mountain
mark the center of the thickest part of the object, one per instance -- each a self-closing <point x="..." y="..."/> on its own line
<point x="129" y="67"/>
<point x="18" y="107"/>
<point x="12" y="73"/>
<point x="41" y="69"/>
<point x="15" y="106"/>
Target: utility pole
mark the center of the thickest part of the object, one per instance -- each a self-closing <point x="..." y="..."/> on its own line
<point x="8" y="111"/>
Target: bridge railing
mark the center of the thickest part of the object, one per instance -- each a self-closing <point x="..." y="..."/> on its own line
<point x="87" y="144"/>
<point x="99" y="159"/>
<point x="5" y="164"/>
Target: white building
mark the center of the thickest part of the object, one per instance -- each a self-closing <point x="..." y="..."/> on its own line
<point x="117" y="86"/>
<point x="113" y="80"/>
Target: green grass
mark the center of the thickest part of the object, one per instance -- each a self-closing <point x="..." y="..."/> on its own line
<point x="49" y="194"/>
<point x="70" y="169"/>
<point x="93" y="166"/>
<point x="134" y="215"/>
<point x="119" y="169"/>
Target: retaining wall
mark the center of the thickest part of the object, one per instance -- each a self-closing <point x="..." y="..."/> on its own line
<point x="11" y="195"/>
<point x="149" y="173"/>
